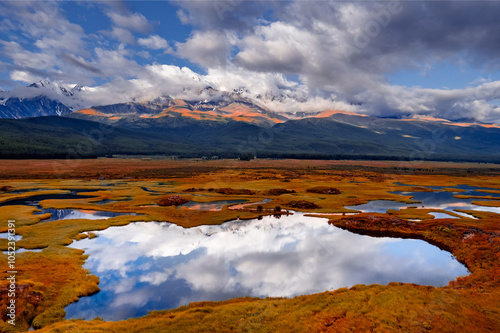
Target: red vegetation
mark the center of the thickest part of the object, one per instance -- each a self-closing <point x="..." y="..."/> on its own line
<point x="234" y="191"/>
<point x="303" y="204"/>
<point x="6" y="188"/>
<point x="226" y="190"/>
<point x="277" y="191"/>
<point x="193" y="189"/>
<point x="324" y="190"/>
<point x="171" y="200"/>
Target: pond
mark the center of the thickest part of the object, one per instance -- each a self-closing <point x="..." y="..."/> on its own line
<point x="158" y="265"/>
<point x="34" y="199"/>
<point x="211" y="205"/>
<point x="6" y="235"/>
<point x="439" y="200"/>
<point x="72" y="214"/>
<point x="66" y="214"/>
<point x="109" y="201"/>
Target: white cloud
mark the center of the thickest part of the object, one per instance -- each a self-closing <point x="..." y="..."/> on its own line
<point x="307" y="57"/>
<point x="123" y="35"/>
<point x="24" y="58"/>
<point x="287" y="257"/>
<point x="23" y="76"/>
<point x="207" y="48"/>
<point x="133" y="21"/>
<point x="153" y="42"/>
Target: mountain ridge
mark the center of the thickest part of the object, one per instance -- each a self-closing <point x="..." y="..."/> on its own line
<point x="45" y="98"/>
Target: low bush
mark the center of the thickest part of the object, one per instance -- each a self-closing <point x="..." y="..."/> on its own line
<point x="277" y="191"/>
<point x="324" y="190"/>
<point x="171" y="200"/>
<point x="303" y="204"/>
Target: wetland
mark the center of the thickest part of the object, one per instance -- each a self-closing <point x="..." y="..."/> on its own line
<point x="239" y="247"/>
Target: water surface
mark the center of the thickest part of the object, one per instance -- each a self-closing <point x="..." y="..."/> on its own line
<point x="148" y="266"/>
<point x="34" y="199"/>
<point x="439" y="200"/>
<point x="211" y="205"/>
<point x="72" y="214"/>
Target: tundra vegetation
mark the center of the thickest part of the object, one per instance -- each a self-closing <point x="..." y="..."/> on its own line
<point x="49" y="280"/>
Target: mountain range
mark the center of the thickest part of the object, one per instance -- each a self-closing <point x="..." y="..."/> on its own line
<point x="58" y="124"/>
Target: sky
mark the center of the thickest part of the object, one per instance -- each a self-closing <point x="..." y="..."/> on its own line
<point x="381" y="58"/>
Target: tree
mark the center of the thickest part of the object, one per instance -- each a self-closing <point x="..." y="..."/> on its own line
<point x="246" y="157"/>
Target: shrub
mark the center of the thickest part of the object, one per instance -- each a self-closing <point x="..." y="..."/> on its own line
<point x="324" y="190"/>
<point x="171" y="200"/>
<point x="6" y="188"/>
<point x="233" y="191"/>
<point x="277" y="191"/>
<point x="246" y="157"/>
<point x="303" y="204"/>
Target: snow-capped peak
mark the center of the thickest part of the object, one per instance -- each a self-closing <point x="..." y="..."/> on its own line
<point x="55" y="87"/>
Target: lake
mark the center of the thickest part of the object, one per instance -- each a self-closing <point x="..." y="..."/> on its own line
<point x="159" y="265"/>
<point x="439" y="200"/>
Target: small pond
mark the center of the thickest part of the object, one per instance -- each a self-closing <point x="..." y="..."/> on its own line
<point x="151" y="266"/>
<point x="72" y="214"/>
<point x="6" y="235"/>
<point x="34" y="199"/>
<point x="24" y="250"/>
<point x="251" y="204"/>
<point x="66" y="214"/>
<point x="108" y="201"/>
<point x="211" y="205"/>
<point x="439" y="200"/>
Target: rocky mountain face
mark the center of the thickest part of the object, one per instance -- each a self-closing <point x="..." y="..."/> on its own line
<point x="46" y="98"/>
<point x="16" y="108"/>
<point x="224" y="124"/>
<point x="43" y="98"/>
<point x="222" y="108"/>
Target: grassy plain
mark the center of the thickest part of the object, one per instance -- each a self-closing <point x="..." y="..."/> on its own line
<point x="51" y="279"/>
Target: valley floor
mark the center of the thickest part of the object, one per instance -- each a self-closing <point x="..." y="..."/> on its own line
<point x="49" y="280"/>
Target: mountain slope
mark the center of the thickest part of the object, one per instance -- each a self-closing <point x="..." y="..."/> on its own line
<point x="43" y="98"/>
<point x="337" y="136"/>
<point x="175" y="112"/>
<point x="59" y="137"/>
<point x="16" y="108"/>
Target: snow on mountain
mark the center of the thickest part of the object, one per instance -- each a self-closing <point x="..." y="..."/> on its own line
<point x="42" y="98"/>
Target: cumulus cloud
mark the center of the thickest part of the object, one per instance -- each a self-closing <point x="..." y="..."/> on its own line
<point x="133" y="21"/>
<point x="24" y="76"/>
<point x="153" y="42"/>
<point x="207" y="48"/>
<point x="123" y="35"/>
<point x="289" y="56"/>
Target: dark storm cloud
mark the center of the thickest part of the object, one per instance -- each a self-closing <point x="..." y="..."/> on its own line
<point x="376" y="38"/>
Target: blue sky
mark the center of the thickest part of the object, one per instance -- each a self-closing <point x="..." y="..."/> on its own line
<point x="385" y="58"/>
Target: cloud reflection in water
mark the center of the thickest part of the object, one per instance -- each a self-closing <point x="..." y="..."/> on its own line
<point x="147" y="266"/>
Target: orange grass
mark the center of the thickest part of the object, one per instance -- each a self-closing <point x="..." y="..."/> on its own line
<point x="54" y="278"/>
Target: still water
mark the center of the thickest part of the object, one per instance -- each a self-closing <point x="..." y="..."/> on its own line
<point x="151" y="266"/>
<point x="71" y="214"/>
<point x="211" y="205"/>
<point x="439" y="200"/>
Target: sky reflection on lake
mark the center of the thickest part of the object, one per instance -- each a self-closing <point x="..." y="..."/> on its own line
<point x="148" y="266"/>
<point x="72" y="214"/>
<point x="211" y="205"/>
<point x="439" y="200"/>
